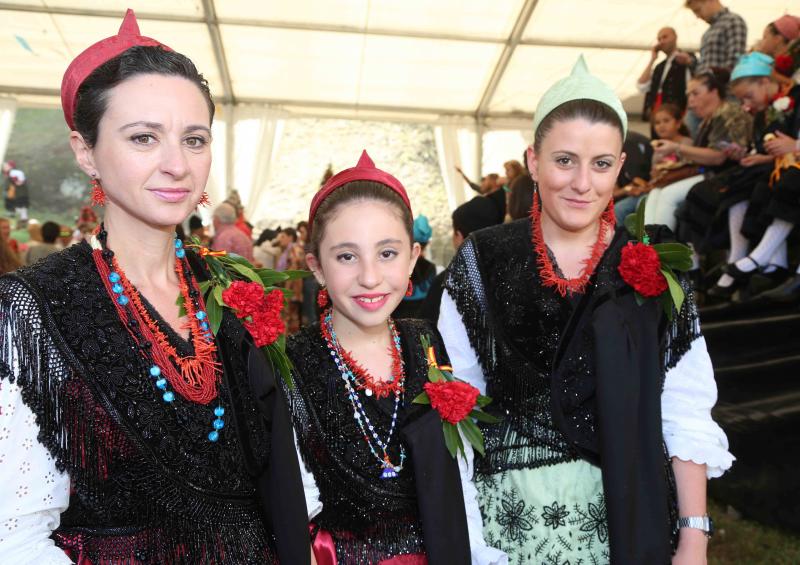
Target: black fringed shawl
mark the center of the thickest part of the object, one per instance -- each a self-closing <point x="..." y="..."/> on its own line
<point x="370" y="519"/>
<point x="575" y="377"/>
<point x="147" y="485"/>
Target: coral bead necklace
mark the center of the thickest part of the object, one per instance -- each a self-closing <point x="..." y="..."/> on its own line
<point x="195" y="377"/>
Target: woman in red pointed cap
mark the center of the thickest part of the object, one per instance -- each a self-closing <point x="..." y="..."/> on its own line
<point x="381" y="486"/>
<point x="137" y="437"/>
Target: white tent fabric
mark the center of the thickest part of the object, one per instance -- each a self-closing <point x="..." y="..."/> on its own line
<point x="8" y="109"/>
<point x="453" y="144"/>
<point x="487" y="61"/>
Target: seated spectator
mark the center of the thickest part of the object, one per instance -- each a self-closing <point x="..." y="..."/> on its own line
<point x="227" y="237"/>
<point x="668" y="125"/>
<point x="421" y="277"/>
<point x="666" y="84"/>
<point x="198" y="230"/>
<point x="5" y="232"/>
<point x="724" y="130"/>
<point x="764" y="195"/>
<point x="50" y="232"/>
<point x="9" y="259"/>
<point x="476" y="214"/>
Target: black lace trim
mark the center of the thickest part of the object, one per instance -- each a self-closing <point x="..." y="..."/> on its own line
<point x="134" y="462"/>
<point x="370" y="519"/>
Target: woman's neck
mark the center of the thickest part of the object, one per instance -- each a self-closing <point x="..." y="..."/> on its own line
<point x="558" y="238"/>
<point x="144" y="252"/>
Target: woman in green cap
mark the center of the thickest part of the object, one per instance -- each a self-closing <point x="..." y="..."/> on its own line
<point x="606" y="439"/>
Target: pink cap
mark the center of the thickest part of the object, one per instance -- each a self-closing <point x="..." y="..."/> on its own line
<point x="788" y="26"/>
<point x="364" y="170"/>
<point x="101" y="52"/>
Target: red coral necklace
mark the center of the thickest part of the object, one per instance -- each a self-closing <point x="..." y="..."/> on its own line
<point x="547" y="272"/>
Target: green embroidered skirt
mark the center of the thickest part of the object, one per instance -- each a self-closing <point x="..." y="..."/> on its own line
<point x="553" y="515"/>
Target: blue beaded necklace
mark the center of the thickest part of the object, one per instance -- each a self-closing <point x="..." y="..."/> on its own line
<point x="104" y="259"/>
<point x="389" y="469"/>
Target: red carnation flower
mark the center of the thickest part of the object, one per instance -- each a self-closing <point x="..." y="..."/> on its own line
<point x="453" y="400"/>
<point x="243" y="297"/>
<point x="784" y="64"/>
<point x="266" y="324"/>
<point x="640" y="267"/>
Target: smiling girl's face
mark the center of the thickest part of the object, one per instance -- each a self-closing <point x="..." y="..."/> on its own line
<point x="365" y="260"/>
<point x="576" y="168"/>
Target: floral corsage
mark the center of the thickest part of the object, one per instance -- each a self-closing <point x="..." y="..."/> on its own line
<point x="650" y="268"/>
<point x="253" y="296"/>
<point x="456" y="402"/>
<point x="780" y="108"/>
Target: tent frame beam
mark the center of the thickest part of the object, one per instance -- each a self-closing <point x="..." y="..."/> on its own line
<point x="270" y="24"/>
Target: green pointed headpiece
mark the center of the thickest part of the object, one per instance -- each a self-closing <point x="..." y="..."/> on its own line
<point x="580" y="84"/>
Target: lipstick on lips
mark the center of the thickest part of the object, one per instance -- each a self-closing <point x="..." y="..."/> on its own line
<point x="371" y="302"/>
<point x="576" y="203"/>
<point x="170" y="194"/>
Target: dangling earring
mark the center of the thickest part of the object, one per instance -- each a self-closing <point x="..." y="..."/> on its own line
<point x="98" y="196"/>
<point x="204" y="200"/>
<point x="322" y="297"/>
<point x="410" y="289"/>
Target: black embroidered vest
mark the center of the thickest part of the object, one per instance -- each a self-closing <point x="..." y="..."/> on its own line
<point x="148" y="486"/>
<point x="372" y="519"/>
<point x="552" y="380"/>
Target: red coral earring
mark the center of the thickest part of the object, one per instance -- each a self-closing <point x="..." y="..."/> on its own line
<point x="98" y="196"/>
<point x="204" y="200"/>
<point x="410" y="289"/>
<point x="323" y="298"/>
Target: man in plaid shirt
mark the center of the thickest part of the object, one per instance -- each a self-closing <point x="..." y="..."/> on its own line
<point x="726" y="38"/>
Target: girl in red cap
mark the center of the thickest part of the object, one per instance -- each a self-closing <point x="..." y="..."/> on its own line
<point x="381" y="487"/>
<point x="136" y="436"/>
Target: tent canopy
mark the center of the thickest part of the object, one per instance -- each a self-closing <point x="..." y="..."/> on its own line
<point x="486" y="60"/>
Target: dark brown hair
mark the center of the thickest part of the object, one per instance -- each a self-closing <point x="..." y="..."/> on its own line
<point x="677" y="114"/>
<point x="715" y="79"/>
<point x="139" y="60"/>
<point x="520" y="200"/>
<point x="357" y="191"/>
<point x="591" y="110"/>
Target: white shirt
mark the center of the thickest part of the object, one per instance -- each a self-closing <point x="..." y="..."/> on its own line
<point x="644" y="87"/>
<point x="33" y="492"/>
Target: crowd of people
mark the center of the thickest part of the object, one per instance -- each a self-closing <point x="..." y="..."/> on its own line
<point x="720" y="169"/>
<point x="340" y="418"/>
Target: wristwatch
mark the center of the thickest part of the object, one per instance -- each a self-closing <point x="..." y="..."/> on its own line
<point x="703" y="523"/>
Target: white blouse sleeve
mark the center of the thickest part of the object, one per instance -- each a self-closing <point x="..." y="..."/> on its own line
<point x="467" y="368"/>
<point x="310" y="488"/>
<point x="690" y="393"/>
<point x="33" y="492"/>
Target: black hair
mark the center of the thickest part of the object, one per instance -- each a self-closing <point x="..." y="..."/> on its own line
<point x="291" y="232"/>
<point x="593" y="111"/>
<point x="195" y="222"/>
<point x="716" y="78"/>
<point x="357" y="191"/>
<point x="93" y="92"/>
<point x="50" y="232"/>
<point x="473" y="215"/>
<point x="520" y="200"/>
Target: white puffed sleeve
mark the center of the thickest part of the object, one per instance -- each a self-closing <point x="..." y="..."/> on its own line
<point x="467" y="368"/>
<point x="690" y="393"/>
<point x="310" y="488"/>
<point x="33" y="492"/>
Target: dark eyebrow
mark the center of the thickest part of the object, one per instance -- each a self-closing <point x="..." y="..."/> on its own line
<point x="158" y="127"/>
<point x="571" y="154"/>
<point x="355" y="245"/>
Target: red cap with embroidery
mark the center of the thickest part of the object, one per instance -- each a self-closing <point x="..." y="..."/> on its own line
<point x="84" y="64"/>
<point x="364" y="170"/>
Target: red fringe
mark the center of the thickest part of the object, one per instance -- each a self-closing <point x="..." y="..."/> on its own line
<point x="546" y="270"/>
